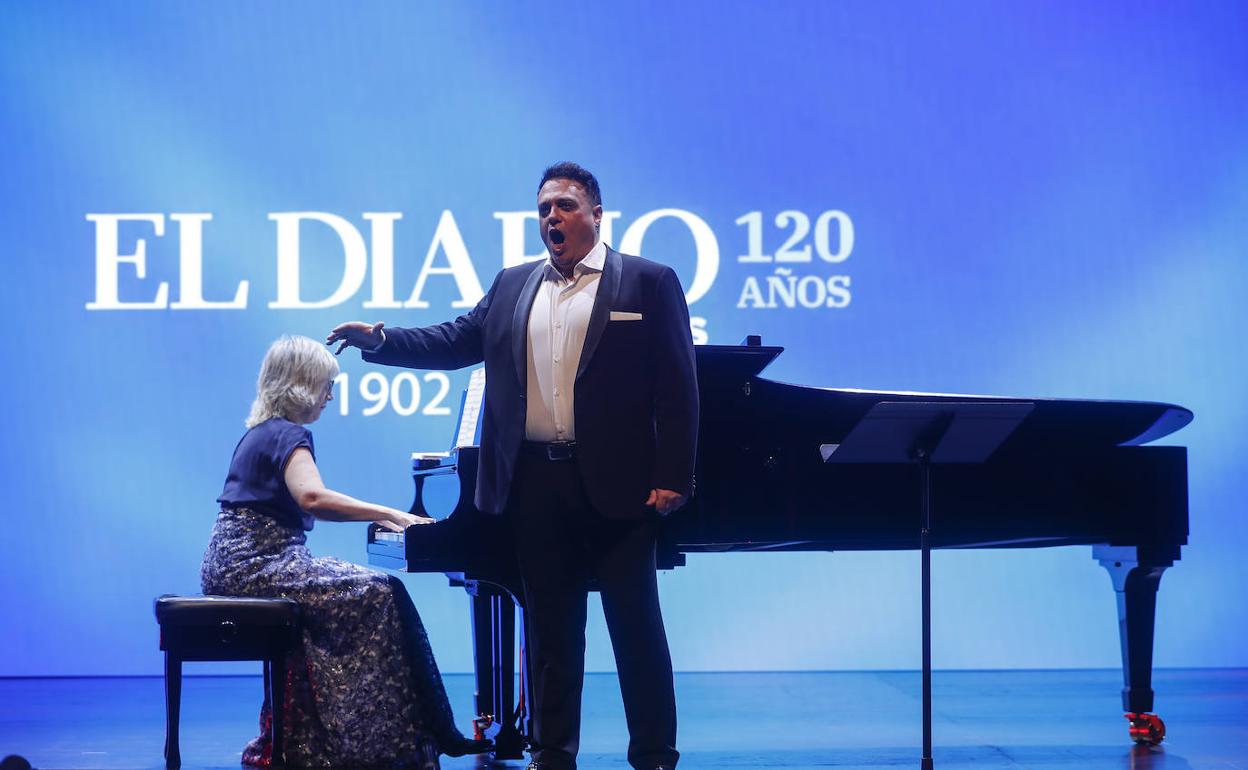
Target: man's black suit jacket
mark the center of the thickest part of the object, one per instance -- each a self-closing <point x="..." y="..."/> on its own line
<point x="636" y="394"/>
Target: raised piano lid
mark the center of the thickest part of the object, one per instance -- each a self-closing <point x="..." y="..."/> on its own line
<point x="1088" y="422"/>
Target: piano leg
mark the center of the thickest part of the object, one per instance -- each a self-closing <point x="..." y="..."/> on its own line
<point x="1136" y="575"/>
<point x="493" y="636"/>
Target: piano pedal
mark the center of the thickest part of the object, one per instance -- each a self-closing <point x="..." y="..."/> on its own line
<point x="482" y="723"/>
<point x="1146" y="729"/>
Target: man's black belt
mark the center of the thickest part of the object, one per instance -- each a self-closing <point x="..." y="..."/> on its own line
<point x="552" y="450"/>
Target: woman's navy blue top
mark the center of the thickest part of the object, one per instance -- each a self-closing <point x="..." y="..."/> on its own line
<point x="257" y="473"/>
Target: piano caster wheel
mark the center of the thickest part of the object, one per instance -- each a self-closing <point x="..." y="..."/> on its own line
<point x="1146" y="729"/>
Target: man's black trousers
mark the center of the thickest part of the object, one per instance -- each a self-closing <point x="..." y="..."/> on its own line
<point x="563" y="545"/>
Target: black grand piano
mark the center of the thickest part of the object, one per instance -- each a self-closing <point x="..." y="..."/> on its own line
<point x="1072" y="473"/>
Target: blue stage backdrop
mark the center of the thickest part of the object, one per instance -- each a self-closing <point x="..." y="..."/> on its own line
<point x="1035" y="199"/>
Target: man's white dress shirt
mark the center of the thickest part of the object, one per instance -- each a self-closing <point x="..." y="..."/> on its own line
<point x="557" y="326"/>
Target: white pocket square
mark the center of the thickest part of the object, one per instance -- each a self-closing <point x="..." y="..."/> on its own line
<point x="624" y="315"/>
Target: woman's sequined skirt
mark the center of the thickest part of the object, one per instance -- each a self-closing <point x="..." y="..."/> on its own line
<point x="364" y="690"/>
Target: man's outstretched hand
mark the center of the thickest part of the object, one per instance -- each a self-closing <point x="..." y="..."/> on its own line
<point x="355" y="333"/>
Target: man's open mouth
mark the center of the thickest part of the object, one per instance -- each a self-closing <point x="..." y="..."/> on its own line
<point x="556" y="237"/>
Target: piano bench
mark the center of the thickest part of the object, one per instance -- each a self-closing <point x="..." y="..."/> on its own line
<point x="201" y="628"/>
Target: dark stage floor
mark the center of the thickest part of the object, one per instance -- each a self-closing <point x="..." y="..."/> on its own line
<point x="983" y="720"/>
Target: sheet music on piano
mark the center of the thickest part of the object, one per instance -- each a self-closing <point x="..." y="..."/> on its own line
<point x="469" y="432"/>
<point x="467" y="429"/>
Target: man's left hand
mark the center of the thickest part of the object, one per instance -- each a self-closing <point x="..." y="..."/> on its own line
<point x="665" y="500"/>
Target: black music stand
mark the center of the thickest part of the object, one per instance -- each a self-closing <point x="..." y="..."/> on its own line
<point x="923" y="433"/>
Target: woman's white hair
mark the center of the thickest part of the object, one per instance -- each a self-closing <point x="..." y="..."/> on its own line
<point x="293" y="379"/>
